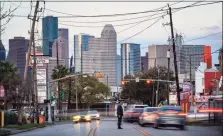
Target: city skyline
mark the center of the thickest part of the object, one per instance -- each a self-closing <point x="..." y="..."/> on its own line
<point x="190" y="31"/>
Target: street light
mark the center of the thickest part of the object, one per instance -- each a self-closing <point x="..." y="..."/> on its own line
<point x="168" y="75"/>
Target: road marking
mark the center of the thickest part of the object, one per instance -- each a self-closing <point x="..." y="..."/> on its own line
<point x="90" y="132"/>
<point x="143" y="132"/>
<point x="94" y="132"/>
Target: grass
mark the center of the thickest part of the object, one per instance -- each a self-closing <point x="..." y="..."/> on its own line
<point x="28" y="126"/>
<point x="4" y="132"/>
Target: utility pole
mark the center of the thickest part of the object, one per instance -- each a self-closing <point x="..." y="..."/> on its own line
<point x="168" y="76"/>
<point x="76" y="94"/>
<point x="30" y="41"/>
<point x="157" y="90"/>
<point x="35" y="81"/>
<point x="70" y="86"/>
<point x="49" y="97"/>
<point x="59" y="86"/>
<point x="191" y="83"/>
<point x="107" y="85"/>
<point x="175" y="57"/>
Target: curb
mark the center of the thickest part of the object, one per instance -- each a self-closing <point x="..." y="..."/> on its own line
<point x="26" y="130"/>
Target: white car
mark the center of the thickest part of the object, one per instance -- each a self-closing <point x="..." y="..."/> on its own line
<point x="94" y="114"/>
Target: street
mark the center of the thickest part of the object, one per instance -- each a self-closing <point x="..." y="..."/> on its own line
<point x="109" y="128"/>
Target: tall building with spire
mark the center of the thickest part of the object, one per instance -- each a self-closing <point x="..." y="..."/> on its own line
<point x="101" y="56"/>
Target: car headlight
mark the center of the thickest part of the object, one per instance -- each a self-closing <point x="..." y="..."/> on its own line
<point x="97" y="115"/>
<point x="87" y="116"/>
<point x="76" y="117"/>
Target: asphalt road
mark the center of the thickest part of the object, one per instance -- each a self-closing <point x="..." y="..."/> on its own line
<point x="109" y="128"/>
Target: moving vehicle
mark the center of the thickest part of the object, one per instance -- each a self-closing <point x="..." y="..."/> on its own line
<point x="81" y="116"/>
<point x="94" y="114"/>
<point x="170" y="116"/>
<point x="132" y="115"/>
<point x="147" y="116"/>
<point x="132" y="106"/>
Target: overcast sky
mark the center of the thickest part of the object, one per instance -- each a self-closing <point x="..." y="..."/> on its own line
<point x="192" y="22"/>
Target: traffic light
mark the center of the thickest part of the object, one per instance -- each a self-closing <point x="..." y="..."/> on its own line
<point x="123" y="83"/>
<point x="149" y="81"/>
<point x="62" y="95"/>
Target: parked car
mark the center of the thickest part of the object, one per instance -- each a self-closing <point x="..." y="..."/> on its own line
<point x="170" y="116"/>
<point x="147" y="116"/>
<point x="13" y="110"/>
<point x="81" y="116"/>
<point x="132" y="115"/>
<point x="94" y="114"/>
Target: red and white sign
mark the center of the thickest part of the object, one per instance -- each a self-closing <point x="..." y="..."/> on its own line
<point x="2" y="91"/>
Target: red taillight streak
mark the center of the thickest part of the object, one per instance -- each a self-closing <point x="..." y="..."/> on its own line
<point x="146" y="114"/>
<point x="204" y="110"/>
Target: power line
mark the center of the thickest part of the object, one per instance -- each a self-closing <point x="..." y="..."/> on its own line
<point x="140" y="31"/>
<point x="123" y="14"/>
<point x="117" y="24"/>
<point x="203" y="37"/>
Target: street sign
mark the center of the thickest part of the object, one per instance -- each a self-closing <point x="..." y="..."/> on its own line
<point x="41" y="88"/>
<point x="137" y="79"/>
<point x="40" y="59"/>
<point x="99" y="75"/>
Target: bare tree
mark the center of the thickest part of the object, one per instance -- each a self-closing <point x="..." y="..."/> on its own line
<point x="6" y="14"/>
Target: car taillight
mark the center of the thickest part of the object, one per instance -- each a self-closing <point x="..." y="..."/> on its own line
<point x="146" y="114"/>
<point x="182" y="114"/>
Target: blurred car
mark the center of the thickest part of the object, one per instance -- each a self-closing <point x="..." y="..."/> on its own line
<point x="94" y="114"/>
<point x="13" y="110"/>
<point x="170" y="116"/>
<point x="147" y="116"/>
<point x="81" y="116"/>
<point x="132" y="115"/>
<point x="133" y="106"/>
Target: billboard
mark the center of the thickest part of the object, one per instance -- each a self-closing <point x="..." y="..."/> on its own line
<point x="41" y="85"/>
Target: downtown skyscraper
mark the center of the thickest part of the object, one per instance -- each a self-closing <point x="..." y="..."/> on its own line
<point x="81" y="44"/>
<point x="18" y="48"/>
<point x="63" y="49"/>
<point x="49" y="33"/>
<point x="130" y="59"/>
<point x="101" y="56"/>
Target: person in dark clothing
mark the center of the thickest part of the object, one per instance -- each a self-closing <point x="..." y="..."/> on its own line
<point x="119" y="114"/>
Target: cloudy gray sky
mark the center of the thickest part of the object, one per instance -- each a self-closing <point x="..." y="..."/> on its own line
<point x="192" y="22"/>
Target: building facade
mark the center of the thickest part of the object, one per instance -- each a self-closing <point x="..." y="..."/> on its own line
<point x="49" y="33"/>
<point x="18" y="48"/>
<point x="157" y="56"/>
<point x="101" y="56"/>
<point x="144" y="63"/>
<point x="63" y="52"/>
<point x="81" y="44"/>
<point x="63" y="34"/>
<point x="52" y="64"/>
<point x="2" y="51"/>
<point x="131" y="59"/>
<point x="197" y="56"/>
<point x="119" y="70"/>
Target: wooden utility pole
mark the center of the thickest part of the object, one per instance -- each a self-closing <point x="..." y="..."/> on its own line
<point x="34" y="19"/>
<point x="175" y="57"/>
